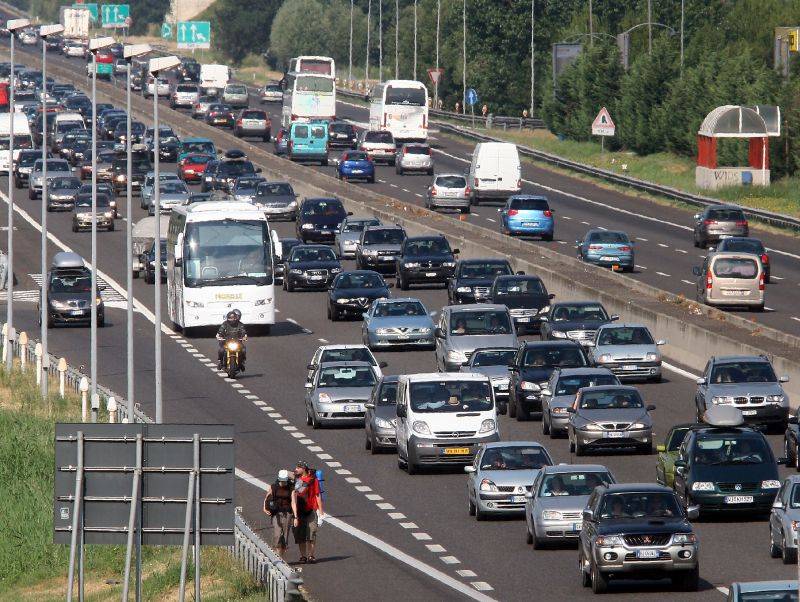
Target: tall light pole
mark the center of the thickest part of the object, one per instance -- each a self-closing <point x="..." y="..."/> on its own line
<point x="13" y="25"/>
<point x="155" y="67"/>
<point x="649" y="26"/>
<point x="464" y="58"/>
<point x="533" y="55"/>
<point x="44" y="32"/>
<point x="396" y="38"/>
<point x="129" y="53"/>
<point x="591" y="25"/>
<point x="682" y="18"/>
<point x="350" y="64"/>
<point x="380" y="40"/>
<point x="369" y="25"/>
<point x="436" y="83"/>
<point x="415" y="40"/>
<point x="95" y="46"/>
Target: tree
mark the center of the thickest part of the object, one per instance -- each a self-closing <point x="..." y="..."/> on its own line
<point x="243" y="28"/>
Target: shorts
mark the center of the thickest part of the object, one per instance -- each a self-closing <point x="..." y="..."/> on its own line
<point x="306" y="531"/>
<point x="281" y="523"/>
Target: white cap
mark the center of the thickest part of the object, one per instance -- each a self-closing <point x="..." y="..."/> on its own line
<point x="283" y="475"/>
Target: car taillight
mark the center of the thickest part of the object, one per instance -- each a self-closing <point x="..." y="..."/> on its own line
<point x="238" y="122"/>
<point x="294" y="117"/>
<point x="289" y="146"/>
<point x="709" y="279"/>
<point x="595" y="247"/>
<point x="741" y="222"/>
<point x="476" y="182"/>
<point x="405" y="150"/>
<point x="625" y="248"/>
<point x="519" y="183"/>
<point x="513" y="212"/>
<point x="433" y="192"/>
<point x="708" y="222"/>
<point x="548" y="213"/>
<point x="467" y="191"/>
<point x="765" y="259"/>
<point x="761" y="282"/>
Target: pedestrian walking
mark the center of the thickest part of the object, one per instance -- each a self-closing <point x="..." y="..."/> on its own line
<point x="278" y="504"/>
<point x="307" y="509"/>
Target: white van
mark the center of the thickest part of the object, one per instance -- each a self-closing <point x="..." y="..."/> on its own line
<point x="213" y="79"/>
<point x="22" y="137"/>
<point x="494" y="171"/>
<point x="443" y="418"/>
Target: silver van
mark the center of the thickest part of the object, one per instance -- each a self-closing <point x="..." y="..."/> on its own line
<point x="462" y="329"/>
<point x="731" y="279"/>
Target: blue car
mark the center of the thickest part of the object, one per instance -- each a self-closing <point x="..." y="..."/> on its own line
<point x="355" y="165"/>
<point x="527" y="215"/>
<point x="606" y="248"/>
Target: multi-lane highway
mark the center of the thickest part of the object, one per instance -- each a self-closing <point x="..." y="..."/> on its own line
<point x="399" y="536"/>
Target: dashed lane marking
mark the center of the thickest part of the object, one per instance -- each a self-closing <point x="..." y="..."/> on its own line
<point x="663" y="274"/>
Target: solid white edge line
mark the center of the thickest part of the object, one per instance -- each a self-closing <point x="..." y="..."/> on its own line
<point x="681" y="371"/>
<point x="386" y="548"/>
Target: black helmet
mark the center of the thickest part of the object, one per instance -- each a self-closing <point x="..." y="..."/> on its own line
<point x="234" y="315"/>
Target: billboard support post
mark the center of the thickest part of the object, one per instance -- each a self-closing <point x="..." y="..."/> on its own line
<point x="75" y="518"/>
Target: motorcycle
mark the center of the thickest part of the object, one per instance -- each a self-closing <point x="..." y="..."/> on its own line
<point x="233" y="351"/>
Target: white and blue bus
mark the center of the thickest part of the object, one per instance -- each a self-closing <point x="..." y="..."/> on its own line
<point x="309" y="92"/>
<point x="400" y="106"/>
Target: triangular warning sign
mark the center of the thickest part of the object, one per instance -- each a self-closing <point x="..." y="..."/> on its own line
<point x="603" y="125"/>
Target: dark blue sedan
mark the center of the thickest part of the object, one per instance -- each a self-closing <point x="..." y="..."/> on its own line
<point x="356" y="165"/>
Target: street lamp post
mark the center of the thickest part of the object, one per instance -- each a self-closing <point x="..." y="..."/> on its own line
<point x="436" y="83"/>
<point x="44" y="32"/>
<point x="155" y="67"/>
<point x="350" y="64"/>
<point x="533" y="56"/>
<point x="369" y="24"/>
<point x="464" y="57"/>
<point x="13" y="25"/>
<point x="415" y="40"/>
<point x="380" y="40"/>
<point x="95" y="46"/>
<point x="396" y="38"/>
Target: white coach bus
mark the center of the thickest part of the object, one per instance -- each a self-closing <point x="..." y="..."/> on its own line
<point x="401" y="107"/>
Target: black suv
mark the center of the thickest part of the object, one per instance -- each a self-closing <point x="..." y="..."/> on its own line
<point x="637" y="531"/>
<point x="319" y="218"/>
<point x="23" y="166"/>
<point x="425" y="259"/>
<point x="310" y="266"/>
<point x="341" y="135"/>
<point x="352" y="293"/>
<point x="531" y="371"/>
<point x="574" y="320"/>
<point x="140" y="166"/>
<point x="69" y="292"/>
<point x="524" y="296"/>
<point x="473" y="279"/>
<point x="379" y="247"/>
<point x="229" y="170"/>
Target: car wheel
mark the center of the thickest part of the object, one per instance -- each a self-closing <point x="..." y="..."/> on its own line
<point x="528" y="537"/>
<point x="367" y="443"/>
<point x="586" y="579"/>
<point x="308" y="418"/>
<point x="545" y="423"/>
<point x="774" y="550"/>
<point x="538" y="544"/>
<point x="480" y="516"/>
<point x="466" y="210"/>
<point x="579" y="449"/>
<point x="398" y="170"/>
<point x="512" y="409"/>
<point x="757" y="308"/>
<point x="289" y="285"/>
<point x="401" y="281"/>
<point x="788" y="555"/>
<point x="688" y="581"/>
<point x="471" y="506"/>
<point x="411" y="468"/>
<point x="599" y="580"/>
<point x="74" y="228"/>
<point x="547" y="237"/>
<point x="523" y="415"/>
<point x="334" y="315"/>
<point x="314" y="420"/>
<point x="797" y="457"/>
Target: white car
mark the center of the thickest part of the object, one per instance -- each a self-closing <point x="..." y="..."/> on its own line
<point x="161" y="88"/>
<point x="74" y="49"/>
<point x="271" y="93"/>
<point x="344" y="353"/>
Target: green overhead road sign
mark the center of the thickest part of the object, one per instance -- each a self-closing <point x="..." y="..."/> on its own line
<point x="92" y="8"/>
<point x="194" y="34"/>
<point x="115" y="15"/>
<point x="166" y="31"/>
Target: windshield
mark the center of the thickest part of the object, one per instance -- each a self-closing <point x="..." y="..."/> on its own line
<point x="625" y="335"/>
<point x="569" y="385"/>
<point x="312" y="83"/>
<point x="235" y="168"/>
<point x="227" y="252"/>
<point x="579" y="313"/>
<point x="345" y="376"/>
<point x="279" y="189"/>
<point x="384" y="236"/>
<point x="64" y="183"/>
<point x="52" y="165"/>
<point x="483" y="270"/>
<point x="248" y="184"/>
<point x="356" y="156"/>
<point x="566" y="356"/>
<point x="480" y="322"/>
<point x="198" y="147"/>
<point x="71" y="284"/>
<point x="610" y="399"/>
<point x="236" y="89"/>
<point x="347" y="354"/>
<point x="186" y="88"/>
<point x="676" y="438"/>
<point x="359" y="280"/>
<point x="358" y="226"/>
<point x="726" y="215"/>
<point x="198" y="159"/>
<point x="435" y="246"/>
<point x="719" y="449"/>
<point x="341" y="128"/>
<point x="173" y="188"/>
<point x="451" y="396"/>
<point x="736" y="267"/>
<point x="380" y="137"/>
<point x="515" y="457"/>
<point x="501" y="357"/>
<point x="416" y="97"/>
<point x="519" y="286"/>
<point x="529" y="204"/>
<point x="400" y="308"/>
<point x="312" y="254"/>
<point x="608" y="238"/>
<point x="387" y="395"/>
<point x="742" y="246"/>
<point x="451" y="182"/>
<point x="639" y="505"/>
<point x="573" y="483"/>
<point x="742" y="372"/>
<point x="331" y="208"/>
<point x="766" y="594"/>
<point x="417" y="149"/>
<point x="20" y="141"/>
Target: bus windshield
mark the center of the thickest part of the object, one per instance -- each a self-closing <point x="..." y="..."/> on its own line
<point x="312" y="83"/>
<point x="416" y="97"/>
<point x="225" y="252"/>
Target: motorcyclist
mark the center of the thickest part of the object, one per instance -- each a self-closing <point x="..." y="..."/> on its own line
<point x="231" y="328"/>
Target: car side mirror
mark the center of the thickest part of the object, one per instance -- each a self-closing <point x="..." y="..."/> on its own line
<point x="588" y="515"/>
<point x="456" y="251"/>
<point x="365" y="315"/>
<point x="310" y="366"/>
<point x="783" y="461"/>
<point x="500" y="210"/>
<point x="551" y="296"/>
<point x="697" y="216"/>
<point x="438" y="333"/>
<point x="700" y="381"/>
<point x="680" y="463"/>
<point x="783" y="379"/>
<point x="792" y="420"/>
<point x="521" y="273"/>
<point x="571" y="410"/>
<point x="696" y="271"/>
<point x="309" y="385"/>
<point x="529" y="495"/>
<point x="390" y="285"/>
<point x="546" y="392"/>
<point x="661" y="448"/>
<point x="693" y="512"/>
<point x="777" y="505"/>
<point x="614" y="317"/>
<point x="651" y="407"/>
<point x="258" y="170"/>
<point x="661" y="342"/>
<point x="369" y="406"/>
<point x="469" y="469"/>
<point x="401" y="411"/>
<point x="589" y="343"/>
<point x="382" y="365"/>
<point x="349" y="213"/>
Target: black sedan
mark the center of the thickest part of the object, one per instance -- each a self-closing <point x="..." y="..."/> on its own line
<point x="473" y="279"/>
<point x="220" y="115"/>
<point x="526" y="298"/>
<point x="148" y="260"/>
<point x="352" y="293"/>
<point x="319" y="219"/>
<point x="425" y="259"/>
<point x="310" y="266"/>
<point x="576" y="321"/>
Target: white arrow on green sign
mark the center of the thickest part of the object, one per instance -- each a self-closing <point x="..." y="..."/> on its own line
<point x="194" y="34"/>
<point x="166" y="31"/>
<point x="115" y="15"/>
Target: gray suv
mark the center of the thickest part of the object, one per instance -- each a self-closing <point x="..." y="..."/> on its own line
<point x="746" y="382"/>
<point x="379" y="247"/>
<point x="718" y="222"/>
<point x="639" y="531"/>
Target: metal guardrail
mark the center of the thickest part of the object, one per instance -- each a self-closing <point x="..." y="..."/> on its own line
<point x="774" y="219"/>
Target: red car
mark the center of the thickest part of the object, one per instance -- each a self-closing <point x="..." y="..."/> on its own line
<point x="192" y="167"/>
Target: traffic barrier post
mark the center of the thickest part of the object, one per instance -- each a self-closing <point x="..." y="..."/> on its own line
<point x="62" y="377"/>
<point x="38" y="353"/>
<point x="23" y="357"/>
<point x="84" y="389"/>
<point x="111" y="407"/>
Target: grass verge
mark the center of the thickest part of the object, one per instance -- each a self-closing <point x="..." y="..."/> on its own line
<point x="31" y="566"/>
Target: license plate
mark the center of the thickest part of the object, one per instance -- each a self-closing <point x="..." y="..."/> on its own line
<point x="629" y="367"/>
<point x="352" y="408"/>
<point x="430" y="274"/>
<point x="358" y="171"/>
<point x="530" y="224"/>
<point x="502" y="387"/>
<point x="402" y="337"/>
<point x="316" y="277"/>
<point x="738" y="499"/>
<point x="608" y="258"/>
<point x="190" y="171"/>
<point x="734" y="293"/>
<point x="749" y="412"/>
<point x="76" y="312"/>
<point x="523" y="319"/>
<point x="613" y="434"/>
<point x="646" y="553"/>
<point x="576" y="527"/>
<point x="456" y="451"/>
<point x="517" y="499"/>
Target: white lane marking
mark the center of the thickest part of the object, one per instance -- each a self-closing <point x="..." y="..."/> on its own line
<point x="325" y="456"/>
<point x="323" y="340"/>
<point x="489" y="219"/>
<point x="290" y="428"/>
<point x="722" y="589"/>
<point x="251" y="396"/>
<point x="386" y="548"/>
<point x="449" y="560"/>
<point x="663" y="274"/>
<point x="435" y="548"/>
<point x="385" y="506"/>
<point x="393" y="185"/>
<point x="409" y="525"/>
<point x="334" y="464"/>
<point x="353" y="480"/>
<point x="680" y="371"/>
<point x="776" y="277"/>
<point x="585" y="223"/>
<point x="795" y="319"/>
<point x="314" y="448"/>
<point x="466" y="573"/>
<point x="406" y="190"/>
<point x="641" y="267"/>
<point x="373" y="497"/>
<point x="258" y="402"/>
<point x="343" y="471"/>
<point x="561" y="242"/>
<point x="663" y="246"/>
<point x="687" y="282"/>
<point x="297" y="434"/>
<point x="768" y="308"/>
<point x="421" y="536"/>
<point x="397" y="515"/>
<point x="565" y="217"/>
<point x="601" y="228"/>
<point x="306" y="441"/>
<point x="481" y="586"/>
<point x="363" y="488"/>
<point x="418" y="194"/>
<point x="642" y="239"/>
<point x="681" y="251"/>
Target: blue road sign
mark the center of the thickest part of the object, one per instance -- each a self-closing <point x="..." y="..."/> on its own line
<point x="194" y="34"/>
<point x="166" y="31"/>
<point x="472" y="96"/>
<point x="92" y="8"/>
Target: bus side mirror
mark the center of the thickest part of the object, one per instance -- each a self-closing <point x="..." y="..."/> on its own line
<point x="179" y="250"/>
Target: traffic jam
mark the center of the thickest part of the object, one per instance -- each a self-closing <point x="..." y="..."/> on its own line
<point x="497" y="348"/>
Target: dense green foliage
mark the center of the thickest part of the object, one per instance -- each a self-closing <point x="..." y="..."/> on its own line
<point x="241" y="28"/>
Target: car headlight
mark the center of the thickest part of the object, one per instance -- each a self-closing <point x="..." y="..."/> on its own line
<point x="120" y="178"/>
<point x="487" y="485"/>
<point x="324" y="398"/>
<point x="425" y="330"/>
<point x="412" y="264"/>
<point x="308" y="226"/>
<point x="464" y="289"/>
<point x="776" y="398"/>
<point x="544" y="310"/>
<point x="421" y="427"/>
<point x="637" y="426"/>
<point x="295" y="271"/>
<point x="722" y="399"/>
<point x="449" y="264"/>
<point x="456" y="356"/>
<point x="292" y="205"/>
<point x="383" y="423"/>
<point x="609" y="540"/>
<point x="605" y="358"/>
<point x="552" y="515"/>
<point x="108" y="214"/>
<point x="559" y="334"/>
<point x="770" y="484"/>
<point x="684" y="538"/>
<point x="702" y="486"/>
<point x="558" y="410"/>
<point x="487" y="426"/>
<point x="591" y="426"/>
<point x="343" y="301"/>
<point x="59" y="305"/>
<point x="529" y="386"/>
<point x="382" y="331"/>
<point x="651" y="357"/>
<point x="232" y="345"/>
<point x="335" y="270"/>
<point x="194" y="303"/>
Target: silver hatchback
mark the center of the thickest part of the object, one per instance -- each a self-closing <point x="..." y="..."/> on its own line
<point x="337" y="392"/>
<point x="448" y="191"/>
<point x="628" y="350"/>
<point x="783" y="521"/>
<point x="413" y="157"/>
